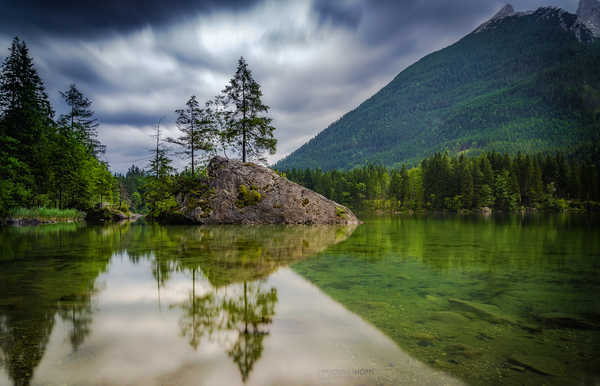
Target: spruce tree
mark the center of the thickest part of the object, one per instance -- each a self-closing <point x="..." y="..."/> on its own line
<point x="404" y="186"/>
<point x="158" y="188"/>
<point x="219" y="117"/>
<point x="160" y="164"/>
<point x="395" y="185"/>
<point x="24" y="104"/>
<point x="249" y="130"/>
<point x="80" y="120"/>
<point x="199" y="134"/>
<point x="26" y="125"/>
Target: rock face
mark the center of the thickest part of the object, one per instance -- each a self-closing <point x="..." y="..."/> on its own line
<point x="588" y="14"/>
<point x="585" y="25"/>
<point x="506" y="11"/>
<point x="246" y="193"/>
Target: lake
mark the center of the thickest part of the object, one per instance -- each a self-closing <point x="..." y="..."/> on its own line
<point x="405" y="300"/>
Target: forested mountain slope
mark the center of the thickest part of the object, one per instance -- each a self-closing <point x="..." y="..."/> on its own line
<point x="524" y="82"/>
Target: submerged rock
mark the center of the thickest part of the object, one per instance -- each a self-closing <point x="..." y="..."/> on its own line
<point x="488" y="312"/>
<point x="246" y="193"/>
<point x="491" y="313"/>
<point x="463" y="350"/>
<point x="424" y="338"/>
<point x="557" y="319"/>
<point x="539" y="364"/>
<point x="449" y="317"/>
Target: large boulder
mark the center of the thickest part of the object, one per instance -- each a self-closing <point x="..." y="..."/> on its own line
<point x="246" y="193"/>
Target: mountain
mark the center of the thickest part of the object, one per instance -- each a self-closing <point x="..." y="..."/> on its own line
<point x="588" y="14"/>
<point x="522" y="81"/>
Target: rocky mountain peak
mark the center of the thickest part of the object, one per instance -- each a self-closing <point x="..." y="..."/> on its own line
<point x="585" y="25"/>
<point x="507" y="10"/>
<point x="588" y="14"/>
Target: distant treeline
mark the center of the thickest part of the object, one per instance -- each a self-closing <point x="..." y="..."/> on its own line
<point x="441" y="182"/>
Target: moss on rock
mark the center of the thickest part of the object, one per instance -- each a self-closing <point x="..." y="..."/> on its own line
<point x="247" y="196"/>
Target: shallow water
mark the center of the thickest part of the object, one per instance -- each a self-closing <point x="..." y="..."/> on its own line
<point x="492" y="301"/>
<point x="395" y="301"/>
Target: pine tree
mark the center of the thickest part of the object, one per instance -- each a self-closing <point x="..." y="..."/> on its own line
<point x="199" y="134"/>
<point x="24" y="104"/>
<point x="219" y="116"/>
<point x="464" y="177"/>
<point x="249" y="130"/>
<point x="395" y="185"/>
<point x="160" y="164"/>
<point x="158" y="188"/>
<point x="68" y="177"/>
<point x="26" y="125"/>
<point x="404" y="186"/>
<point x="80" y="120"/>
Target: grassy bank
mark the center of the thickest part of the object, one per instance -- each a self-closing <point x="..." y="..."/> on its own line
<point x="46" y="214"/>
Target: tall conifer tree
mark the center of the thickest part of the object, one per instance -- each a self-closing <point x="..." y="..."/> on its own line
<point x="26" y="124"/>
<point x="198" y="131"/>
<point x="249" y="129"/>
<point x="160" y="164"/>
<point x="24" y="104"/>
<point x="80" y="120"/>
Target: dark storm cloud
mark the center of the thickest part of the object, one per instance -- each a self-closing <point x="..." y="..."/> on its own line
<point x="314" y="60"/>
<point x="92" y="17"/>
<point x="338" y="12"/>
<point x="379" y="20"/>
<point x="78" y="71"/>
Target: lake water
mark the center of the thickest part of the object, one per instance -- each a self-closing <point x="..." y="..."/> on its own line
<point x="435" y="300"/>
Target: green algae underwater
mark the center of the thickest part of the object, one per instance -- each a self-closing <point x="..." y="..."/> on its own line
<point x="500" y="300"/>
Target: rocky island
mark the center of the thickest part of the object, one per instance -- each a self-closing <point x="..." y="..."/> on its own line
<point x="246" y="193"/>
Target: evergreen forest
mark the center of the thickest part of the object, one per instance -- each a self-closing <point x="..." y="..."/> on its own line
<point x="501" y="182"/>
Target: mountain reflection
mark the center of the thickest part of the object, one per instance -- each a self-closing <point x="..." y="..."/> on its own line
<point x="51" y="272"/>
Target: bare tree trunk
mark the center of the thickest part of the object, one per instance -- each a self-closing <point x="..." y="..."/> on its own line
<point x="244" y="142"/>
<point x="192" y="139"/>
<point x="244" y="123"/>
<point x="192" y="157"/>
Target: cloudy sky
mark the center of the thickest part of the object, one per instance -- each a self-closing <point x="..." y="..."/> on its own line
<point x="315" y="59"/>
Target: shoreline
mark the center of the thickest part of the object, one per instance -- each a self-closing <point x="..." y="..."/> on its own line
<point x="35" y="221"/>
<point x="27" y="221"/>
<point x="526" y="212"/>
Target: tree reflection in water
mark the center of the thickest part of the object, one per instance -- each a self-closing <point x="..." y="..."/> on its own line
<point x="217" y="315"/>
<point x="51" y="271"/>
<point x="250" y="316"/>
